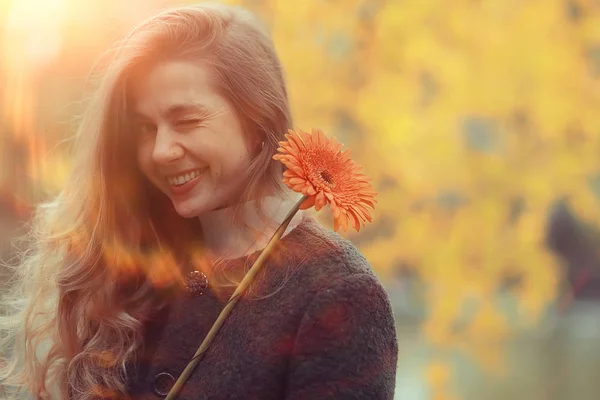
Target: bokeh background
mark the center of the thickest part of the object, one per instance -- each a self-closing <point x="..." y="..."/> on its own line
<point x="478" y="121"/>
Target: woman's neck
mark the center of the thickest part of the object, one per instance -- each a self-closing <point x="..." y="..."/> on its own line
<point x="227" y="238"/>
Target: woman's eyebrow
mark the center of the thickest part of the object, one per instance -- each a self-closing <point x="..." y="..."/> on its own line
<point x="174" y="110"/>
<point x="178" y="109"/>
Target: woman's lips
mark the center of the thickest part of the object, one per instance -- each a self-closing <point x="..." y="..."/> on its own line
<point x="180" y="190"/>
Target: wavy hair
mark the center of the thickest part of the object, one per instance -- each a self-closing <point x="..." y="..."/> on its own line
<point x="98" y="254"/>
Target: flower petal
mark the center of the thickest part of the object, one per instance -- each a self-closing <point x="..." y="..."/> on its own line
<point x="320" y="201"/>
<point x="288" y="173"/>
<point x="300" y="188"/>
<point x="354" y="221"/>
<point x="296" y="168"/>
<point x="308" y="203"/>
<point x="296" y="180"/>
<point x="362" y="213"/>
<point x="334" y="209"/>
<point x="305" y="137"/>
<point x="343" y="222"/>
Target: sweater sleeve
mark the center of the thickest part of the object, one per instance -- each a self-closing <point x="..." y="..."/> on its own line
<point x="346" y="346"/>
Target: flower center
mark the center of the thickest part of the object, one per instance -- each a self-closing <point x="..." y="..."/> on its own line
<point x="326" y="176"/>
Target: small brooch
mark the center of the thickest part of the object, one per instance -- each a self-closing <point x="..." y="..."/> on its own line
<point x="196" y="283"/>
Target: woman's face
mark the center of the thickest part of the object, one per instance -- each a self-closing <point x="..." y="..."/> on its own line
<point x="190" y="142"/>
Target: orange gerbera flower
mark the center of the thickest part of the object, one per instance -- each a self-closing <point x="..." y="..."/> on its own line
<point x="319" y="169"/>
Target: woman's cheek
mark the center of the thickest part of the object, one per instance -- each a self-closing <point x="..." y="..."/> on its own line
<point x="144" y="157"/>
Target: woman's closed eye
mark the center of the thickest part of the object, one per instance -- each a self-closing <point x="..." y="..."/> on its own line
<point x="186" y="123"/>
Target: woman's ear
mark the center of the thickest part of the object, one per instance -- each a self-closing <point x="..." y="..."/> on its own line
<point x="258" y="144"/>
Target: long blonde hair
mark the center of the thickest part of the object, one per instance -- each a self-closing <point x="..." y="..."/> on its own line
<point x="74" y="317"/>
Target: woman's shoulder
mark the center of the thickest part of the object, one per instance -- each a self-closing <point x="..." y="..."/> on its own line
<point x="319" y="258"/>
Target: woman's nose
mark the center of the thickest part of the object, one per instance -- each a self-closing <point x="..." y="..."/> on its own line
<point x="166" y="147"/>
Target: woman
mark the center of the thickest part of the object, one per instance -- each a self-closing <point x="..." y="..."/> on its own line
<point x="173" y="194"/>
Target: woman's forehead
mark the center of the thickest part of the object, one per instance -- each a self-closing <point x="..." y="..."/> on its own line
<point x="173" y="87"/>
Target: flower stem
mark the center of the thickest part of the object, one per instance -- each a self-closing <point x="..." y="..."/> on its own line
<point x="248" y="279"/>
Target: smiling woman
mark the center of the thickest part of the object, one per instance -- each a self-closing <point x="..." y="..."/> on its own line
<point x="191" y="144"/>
<point x="173" y="194"/>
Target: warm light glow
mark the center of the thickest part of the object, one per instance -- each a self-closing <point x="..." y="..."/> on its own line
<point x="33" y="30"/>
<point x="32" y="39"/>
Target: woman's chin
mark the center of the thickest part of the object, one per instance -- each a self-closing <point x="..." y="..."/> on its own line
<point x="187" y="210"/>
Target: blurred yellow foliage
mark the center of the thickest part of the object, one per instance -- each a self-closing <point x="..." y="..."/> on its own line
<point x="473" y="120"/>
<point x="438" y="376"/>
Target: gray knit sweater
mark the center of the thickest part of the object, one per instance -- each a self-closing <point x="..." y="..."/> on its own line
<point x="317" y="324"/>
